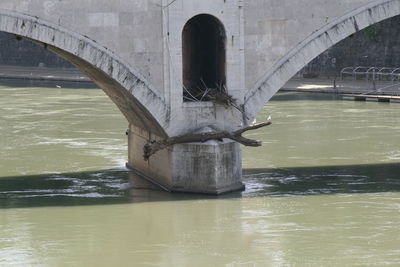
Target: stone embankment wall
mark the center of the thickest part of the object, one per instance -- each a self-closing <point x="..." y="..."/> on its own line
<point x="375" y="46"/>
<point x="24" y="53"/>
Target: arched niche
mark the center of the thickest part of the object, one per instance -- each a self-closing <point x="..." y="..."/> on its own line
<point x="203" y="57"/>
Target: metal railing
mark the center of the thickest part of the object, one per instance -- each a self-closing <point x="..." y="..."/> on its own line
<point x="371" y="73"/>
<point x="395" y="75"/>
<point x="392" y="89"/>
<point x="377" y="79"/>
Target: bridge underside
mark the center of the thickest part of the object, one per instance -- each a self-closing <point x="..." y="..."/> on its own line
<point x="132" y="109"/>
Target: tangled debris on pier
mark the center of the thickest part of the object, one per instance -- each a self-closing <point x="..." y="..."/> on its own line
<point x="154" y="146"/>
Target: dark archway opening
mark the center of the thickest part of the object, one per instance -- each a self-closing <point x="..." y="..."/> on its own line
<point x="203" y="57"/>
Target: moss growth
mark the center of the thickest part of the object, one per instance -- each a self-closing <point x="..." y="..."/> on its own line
<point x="373" y="32"/>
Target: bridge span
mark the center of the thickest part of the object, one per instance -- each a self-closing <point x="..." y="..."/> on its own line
<point x="157" y="60"/>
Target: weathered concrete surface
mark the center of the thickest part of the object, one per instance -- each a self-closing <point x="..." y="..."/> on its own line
<point x="133" y="50"/>
<point x="212" y="167"/>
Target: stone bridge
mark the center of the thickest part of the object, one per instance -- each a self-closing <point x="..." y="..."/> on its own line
<point x="157" y="59"/>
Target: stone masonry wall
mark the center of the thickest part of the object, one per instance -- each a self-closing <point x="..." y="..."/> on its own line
<point x="24" y="53"/>
<point x="375" y="46"/>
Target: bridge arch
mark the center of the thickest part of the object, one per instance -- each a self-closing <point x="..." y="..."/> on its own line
<point x="134" y="96"/>
<point x="314" y="45"/>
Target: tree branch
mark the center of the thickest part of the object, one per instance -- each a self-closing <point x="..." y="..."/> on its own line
<point x="154" y="146"/>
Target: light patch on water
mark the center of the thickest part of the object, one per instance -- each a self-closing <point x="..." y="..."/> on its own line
<point x="307" y="121"/>
<point x="379" y="127"/>
<point x="253" y="186"/>
<point x="341" y="158"/>
<point x="354" y="138"/>
<point x="353" y="110"/>
<point x="392" y="156"/>
<point x="66" y="141"/>
<point x="19" y="256"/>
<point x="53" y="112"/>
<point x="338" y="175"/>
<point x="122" y="186"/>
<point x="315" y="86"/>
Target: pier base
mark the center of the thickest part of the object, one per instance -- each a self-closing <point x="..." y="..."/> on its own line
<point x="213" y="167"/>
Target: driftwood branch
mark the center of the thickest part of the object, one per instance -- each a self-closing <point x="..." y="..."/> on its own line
<point x="155" y="146"/>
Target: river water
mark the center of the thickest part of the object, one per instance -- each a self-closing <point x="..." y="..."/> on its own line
<point x="324" y="190"/>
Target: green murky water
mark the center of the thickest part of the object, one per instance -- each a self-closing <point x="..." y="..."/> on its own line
<point x="324" y="190"/>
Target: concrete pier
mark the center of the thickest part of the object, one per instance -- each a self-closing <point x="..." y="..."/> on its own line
<point x="212" y="167"/>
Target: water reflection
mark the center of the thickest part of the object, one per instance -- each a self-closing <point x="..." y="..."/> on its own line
<point x="117" y="186"/>
<point x="347" y="179"/>
<point x="84" y="188"/>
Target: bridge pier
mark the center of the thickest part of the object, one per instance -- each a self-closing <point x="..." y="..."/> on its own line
<point x="213" y="167"/>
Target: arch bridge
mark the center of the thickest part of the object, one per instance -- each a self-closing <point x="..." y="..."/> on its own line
<point x="158" y="61"/>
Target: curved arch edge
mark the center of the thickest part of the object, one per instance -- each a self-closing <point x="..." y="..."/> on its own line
<point x="314" y="45"/>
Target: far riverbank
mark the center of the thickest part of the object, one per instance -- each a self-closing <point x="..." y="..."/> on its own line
<point x="339" y="86"/>
<point x="297" y="84"/>
<point x="43" y="74"/>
